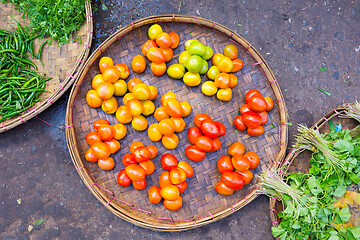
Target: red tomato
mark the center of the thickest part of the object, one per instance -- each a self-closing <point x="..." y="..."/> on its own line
<point x="92" y="137"/>
<point x="114" y="145"/>
<point x="194" y="153"/>
<point x="123" y="179"/>
<point x="182" y="186"/>
<point x="164" y="179"/>
<point x="246" y="176"/>
<point x="141" y="154"/>
<point x="106" y="132"/>
<point x="100" y="150"/>
<point x="239" y="124"/>
<point x="128" y="159"/>
<point x="174" y="39"/>
<point x="200" y="117"/>
<point x="193" y="134"/>
<point x="148" y="166"/>
<point x="264" y="117"/>
<point x="224" y="164"/>
<point x="257" y="103"/>
<point x="217" y="144"/>
<point x="244" y="108"/>
<point x="251" y="119"/>
<point x="205" y="144"/>
<point x="139" y="185"/>
<point x="153" y="151"/>
<point x="135" y="145"/>
<point x="255" y="132"/>
<point x="189" y="171"/>
<point x="106" y="164"/>
<point x="251" y="93"/>
<point x="209" y="128"/>
<point x="236" y="148"/>
<point x="173" y="205"/>
<point x="232" y="180"/>
<point x="240" y="162"/>
<point x="177" y="175"/>
<point x="222" y="189"/>
<point x="168" y="161"/>
<point x="89" y="155"/>
<point x="221" y="127"/>
<point x="253" y="158"/>
<point x="100" y="122"/>
<point x="135" y="172"/>
<point x="269" y="103"/>
<point x="154" y="195"/>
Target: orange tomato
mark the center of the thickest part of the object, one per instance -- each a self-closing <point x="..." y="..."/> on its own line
<point x="221" y="188"/>
<point x="127" y="97"/>
<point x="224" y="94"/>
<point x="141" y="91"/>
<point x="104" y="63"/>
<point x="124" y="70"/>
<point x="158" y="69"/>
<point x="132" y="83"/>
<point x="155" y="55"/>
<point x="139" y="123"/>
<point x="89" y="155"/>
<point x="177" y="175"/>
<point x="174" y="39"/>
<point x="100" y="122"/>
<point x="255" y="132"/>
<point x="233" y="80"/>
<point x="216" y="58"/>
<point x="186" y="107"/>
<point x="205" y="144"/>
<point x="222" y="80"/>
<point x="236" y="148"/>
<point x="167" y="96"/>
<point x="111" y="74"/>
<point x="153" y="92"/>
<point x="154" y="132"/>
<point x="173" y="107"/>
<point x="170" y="192"/>
<point x="100" y="150"/>
<point x="139" y="185"/>
<point x="123" y="115"/>
<point x="173" y="205"/>
<point x="106" y="132"/>
<point x="141" y="154"/>
<point x="168" y="53"/>
<point x="154" y="195"/>
<point x="166" y="127"/>
<point x="105" y="90"/>
<point x="225" y="64"/>
<point x="163" y="40"/>
<point x="120" y="131"/>
<point x="106" y="164"/>
<point x="97" y="80"/>
<point x="114" y="145"/>
<point x="253" y="159"/>
<point x="244" y="108"/>
<point x="238" y="64"/>
<point x="138" y="64"/>
<point x="231" y="51"/>
<point x="246" y="176"/>
<point x="149" y="107"/>
<point x="264" y="117"/>
<point x="148" y="166"/>
<point x="93" y="99"/>
<point x="135" y="172"/>
<point x="170" y="142"/>
<point x="179" y="124"/>
<point x="164" y="179"/>
<point x="135" y="145"/>
<point x="120" y="88"/>
<point x="135" y="107"/>
<point x="269" y="103"/>
<point x="109" y="105"/>
<point x="147" y="45"/>
<point x="240" y="162"/>
<point x="189" y="171"/>
<point x="153" y="151"/>
<point x="160" y="114"/>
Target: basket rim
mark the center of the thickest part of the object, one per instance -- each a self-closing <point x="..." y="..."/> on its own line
<point x="70" y="132"/>
<point x="61" y="89"/>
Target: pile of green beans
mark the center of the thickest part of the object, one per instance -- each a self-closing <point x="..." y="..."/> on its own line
<point x="20" y="84"/>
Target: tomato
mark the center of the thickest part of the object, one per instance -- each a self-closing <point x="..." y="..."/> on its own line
<point x="200" y="117"/>
<point x="154" y="132"/>
<point x="154" y="195"/>
<point x="173" y="107"/>
<point x="194" y="64"/>
<point x="139" y="185"/>
<point x="194" y="153"/>
<point x="204" y="68"/>
<point x="205" y="144"/>
<point x="141" y="154"/>
<point x="189" y="171"/>
<point x="186" y="109"/>
<point x="135" y="107"/>
<point x="237" y="148"/>
<point x="209" y="128"/>
<point x="106" y="132"/>
<point x="92" y="137"/>
<point x="250" y="94"/>
<point x="97" y="80"/>
<point x="253" y="159"/>
<point x="158" y="69"/>
<point x="104" y="63"/>
<point x="213" y="72"/>
<point x="154" y="30"/>
<point x="177" y="175"/>
<point x="179" y="124"/>
<point x="221" y="188"/>
<point x="148" y="166"/>
<point x="120" y="88"/>
<point x="217" y="144"/>
<point x="128" y="159"/>
<point x="209" y="53"/>
<point x="166" y="127"/>
<point x="139" y="123"/>
<point x="216" y="59"/>
<point x="221" y="127"/>
<point x="127" y="97"/>
<point x="264" y="117"/>
<point x="93" y="99"/>
<point x="153" y="92"/>
<point x="133" y="82"/>
<point x="155" y="55"/>
<point x="188" y="42"/>
<point x="100" y="122"/>
<point x="138" y="64"/>
<point x="114" y="145"/>
<point x="173" y="205"/>
<point x="149" y="107"/>
<point x="111" y="74"/>
<point x="124" y="70"/>
<point x="135" y="145"/>
<point x="231" y="51"/>
<point x="164" y="179"/>
<point x="168" y="53"/>
<point x="251" y="119"/>
<point x="208" y="88"/>
<point x="246" y="176"/>
<point x="255" y="132"/>
<point x="196" y="48"/>
<point x="120" y="131"/>
<point x="269" y="103"/>
<point x="170" y="192"/>
<point x="105" y="90"/>
<point x="232" y="180"/>
<point x="135" y="172"/>
<point x="176" y="71"/>
<point x="182" y="186"/>
<point x="141" y="91"/>
<point x="163" y="40"/>
<point x="122" y="179"/>
<point x="239" y="124"/>
<point x="244" y="108"/>
<point x="192" y="79"/>
<point x="225" y="64"/>
<point x="240" y="162"/>
<point x="89" y="155"/>
<point x="174" y="39"/>
<point x="147" y="45"/>
<point x="238" y="64"/>
<point x="184" y="58"/>
<point x="168" y="161"/>
<point x="110" y="105"/>
<point x="123" y="115"/>
<point x="170" y="142"/>
<point x="224" y="164"/>
<point x="233" y="80"/>
<point x="224" y="94"/>
<point x="257" y="104"/>
<point x="106" y="164"/>
<point x="193" y="134"/>
<point x="167" y="96"/>
<point x="160" y="114"/>
<point x="153" y="151"/>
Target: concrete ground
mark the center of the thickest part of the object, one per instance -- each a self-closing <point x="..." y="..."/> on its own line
<point x="308" y="46"/>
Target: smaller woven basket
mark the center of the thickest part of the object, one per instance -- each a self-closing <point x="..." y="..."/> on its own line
<point x="61" y="64"/>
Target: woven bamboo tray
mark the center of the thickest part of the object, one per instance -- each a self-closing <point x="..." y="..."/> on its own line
<point x="201" y="203"/>
<point x="300" y="162"/>
<point x="62" y="64"/>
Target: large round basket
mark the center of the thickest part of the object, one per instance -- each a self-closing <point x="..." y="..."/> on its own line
<point x="61" y="64"/>
<point x="201" y="203"/>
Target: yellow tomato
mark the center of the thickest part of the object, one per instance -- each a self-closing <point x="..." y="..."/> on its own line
<point x="188" y="42"/>
<point x="154" y="132"/>
<point x="139" y="123"/>
<point x="105" y="90"/>
<point x="167" y="96"/>
<point x="153" y="92"/>
<point x="224" y="94"/>
<point x="120" y="131"/>
<point x="179" y="124"/>
<point x="104" y="63"/>
<point x="186" y="109"/>
<point x="209" y="88"/>
<point x="93" y="99"/>
<point x="225" y="64"/>
<point x="109" y="105"/>
<point x="213" y="72"/>
<point x="166" y="127"/>
<point x="120" y="88"/>
<point x="135" y="107"/>
<point x="128" y="97"/>
<point x="133" y="82"/>
<point x="141" y="91"/>
<point x="170" y="142"/>
<point x="149" y="107"/>
<point x="123" y="114"/>
<point x="97" y="80"/>
<point x="192" y="79"/>
<point x="154" y="30"/>
<point x="184" y="57"/>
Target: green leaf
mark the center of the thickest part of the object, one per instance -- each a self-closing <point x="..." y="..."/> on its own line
<point x="277" y="231"/>
<point x="343" y="145"/>
<point x="340" y="190"/>
<point x="323" y="91"/>
<point x="333" y="238"/>
<point x="239" y="25"/>
<point x="314" y="186"/>
<point x="38" y="222"/>
<point x="331" y="125"/>
<point x="344" y="214"/>
<point x="355" y="232"/>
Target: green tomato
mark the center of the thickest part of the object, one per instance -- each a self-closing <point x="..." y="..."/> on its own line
<point x="213" y="72"/>
<point x="192" y="79"/>
<point x="194" y="64"/>
<point x="209" y="53"/>
<point x="184" y="57"/>
<point x="197" y="48"/>
<point x="209" y="88"/>
<point x="204" y="68"/>
<point x="154" y="30"/>
<point x="188" y="42"/>
<point x="176" y="71"/>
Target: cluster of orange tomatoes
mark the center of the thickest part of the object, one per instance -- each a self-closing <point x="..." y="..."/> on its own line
<point x="254" y="113"/>
<point x="172" y="182"/>
<point x="103" y="142"/>
<point x="204" y="137"/>
<point x="159" y="49"/>
<point x="137" y="165"/>
<point x="235" y="171"/>
<point x="170" y="120"/>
